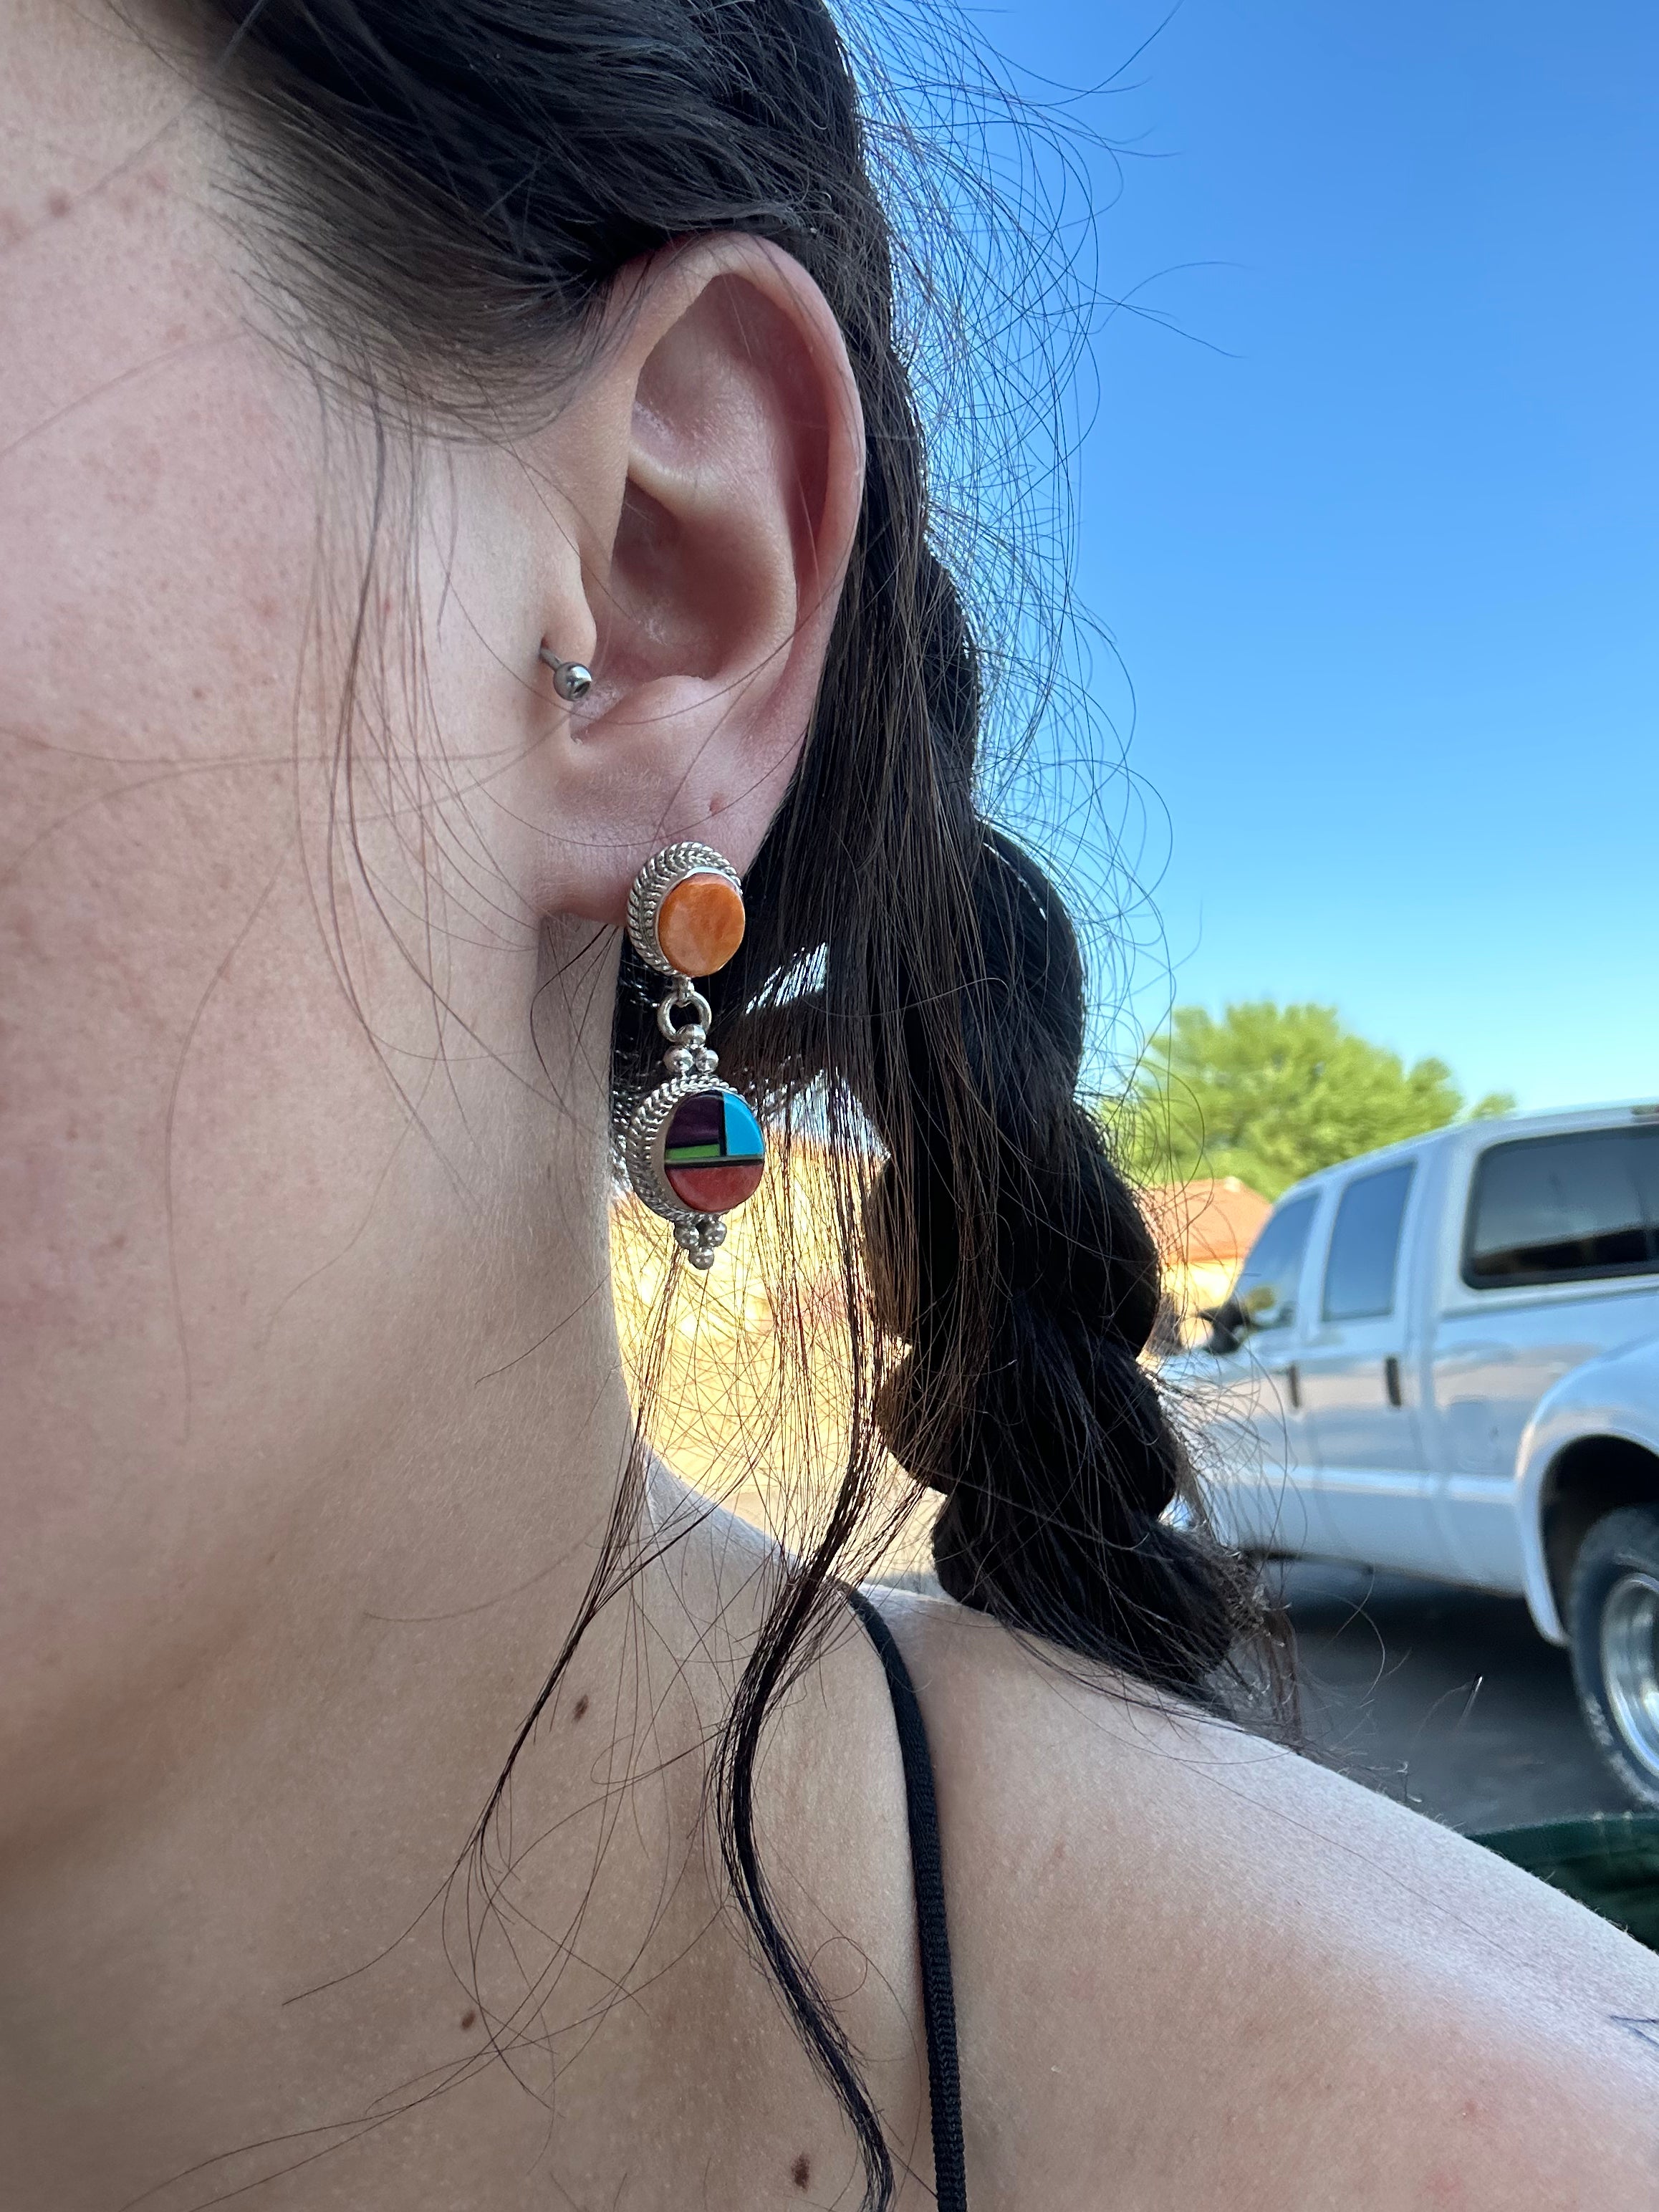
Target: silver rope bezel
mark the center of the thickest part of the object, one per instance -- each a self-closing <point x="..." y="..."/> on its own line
<point x="651" y="886"/>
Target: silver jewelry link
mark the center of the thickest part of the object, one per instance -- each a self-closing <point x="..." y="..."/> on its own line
<point x="677" y="1001"/>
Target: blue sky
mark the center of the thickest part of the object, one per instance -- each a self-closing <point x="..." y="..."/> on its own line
<point x="1375" y="529"/>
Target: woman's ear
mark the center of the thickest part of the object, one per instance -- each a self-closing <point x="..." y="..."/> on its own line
<point x="712" y="466"/>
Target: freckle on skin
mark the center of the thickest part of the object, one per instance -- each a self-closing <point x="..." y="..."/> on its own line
<point x="579" y="1708"/>
<point x="801" y="2173"/>
<point x="468" y="2017"/>
<point x="57" y="204"/>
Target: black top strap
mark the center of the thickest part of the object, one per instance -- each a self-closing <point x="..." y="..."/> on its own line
<point x="938" y="2004"/>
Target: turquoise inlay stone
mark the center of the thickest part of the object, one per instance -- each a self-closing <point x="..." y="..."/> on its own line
<point x="743" y="1140"/>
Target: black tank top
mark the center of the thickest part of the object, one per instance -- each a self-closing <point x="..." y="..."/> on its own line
<point x="938" y="2005"/>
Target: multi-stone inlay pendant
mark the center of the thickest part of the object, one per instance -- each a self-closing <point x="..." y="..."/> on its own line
<point x="693" y="1148"/>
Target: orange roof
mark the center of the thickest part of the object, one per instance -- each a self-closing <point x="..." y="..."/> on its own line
<point x="1210" y="1222"/>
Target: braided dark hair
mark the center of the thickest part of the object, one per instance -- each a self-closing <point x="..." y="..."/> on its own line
<point x="413" y="199"/>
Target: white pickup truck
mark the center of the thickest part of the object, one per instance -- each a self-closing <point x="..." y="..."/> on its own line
<point x="1444" y="1357"/>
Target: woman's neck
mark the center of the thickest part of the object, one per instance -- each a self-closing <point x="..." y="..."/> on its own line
<point x="285" y="1815"/>
<point x="275" y="1943"/>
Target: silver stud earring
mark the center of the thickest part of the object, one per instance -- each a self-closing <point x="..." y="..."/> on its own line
<point x="571" y="680"/>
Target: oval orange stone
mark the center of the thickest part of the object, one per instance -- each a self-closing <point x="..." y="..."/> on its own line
<point x="699" y="924"/>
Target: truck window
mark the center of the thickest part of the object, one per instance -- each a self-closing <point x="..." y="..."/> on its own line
<point x="1563" y="1209"/>
<point x="1364" y="1254"/>
<point x="1267" y="1288"/>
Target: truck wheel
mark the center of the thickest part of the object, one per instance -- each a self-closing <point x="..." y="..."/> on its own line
<point x="1613" y="1615"/>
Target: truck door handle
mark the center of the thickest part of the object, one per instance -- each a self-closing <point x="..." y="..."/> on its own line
<point x="1391" y="1379"/>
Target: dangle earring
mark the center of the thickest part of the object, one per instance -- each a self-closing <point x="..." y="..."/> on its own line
<point x="693" y="1148"/>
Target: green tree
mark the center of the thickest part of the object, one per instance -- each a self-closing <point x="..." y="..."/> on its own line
<point x="1270" y="1093"/>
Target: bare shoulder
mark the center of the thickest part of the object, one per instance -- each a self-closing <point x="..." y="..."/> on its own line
<point x="1195" y="1971"/>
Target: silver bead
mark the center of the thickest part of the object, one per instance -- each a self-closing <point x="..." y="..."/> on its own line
<point x="700" y="1237"/>
<point x="704" y="1060"/>
<point x="571" y="679"/>
<point x="679" y="1059"/>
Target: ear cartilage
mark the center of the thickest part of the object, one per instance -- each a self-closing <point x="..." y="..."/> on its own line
<point x="693" y="1148"/>
<point x="571" y="680"/>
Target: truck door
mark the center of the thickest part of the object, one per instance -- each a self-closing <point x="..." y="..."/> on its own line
<point x="1360" y="1385"/>
<point x="1253" y="1425"/>
<point x="1559" y="1261"/>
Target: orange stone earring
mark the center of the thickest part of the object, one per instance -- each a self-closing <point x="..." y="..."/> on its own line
<point x="693" y="1147"/>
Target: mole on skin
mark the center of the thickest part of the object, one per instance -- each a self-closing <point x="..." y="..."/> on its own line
<point x="801" y="2173"/>
<point x="579" y="1708"/>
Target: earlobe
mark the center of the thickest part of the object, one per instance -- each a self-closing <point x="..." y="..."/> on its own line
<point x="722" y="441"/>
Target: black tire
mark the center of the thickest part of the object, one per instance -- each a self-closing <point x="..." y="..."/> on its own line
<point x="1612" y="1618"/>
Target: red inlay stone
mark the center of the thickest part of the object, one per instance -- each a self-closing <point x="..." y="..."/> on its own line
<point x="717" y="1187"/>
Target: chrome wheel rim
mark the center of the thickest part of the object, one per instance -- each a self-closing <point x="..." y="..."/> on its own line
<point x="1630" y="1663"/>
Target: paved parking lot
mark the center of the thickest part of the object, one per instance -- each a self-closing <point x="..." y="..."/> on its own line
<point x="1445" y="1699"/>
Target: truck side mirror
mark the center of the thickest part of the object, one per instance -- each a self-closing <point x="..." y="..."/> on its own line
<point x="1229" y="1324"/>
<point x="1233" y="1320"/>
